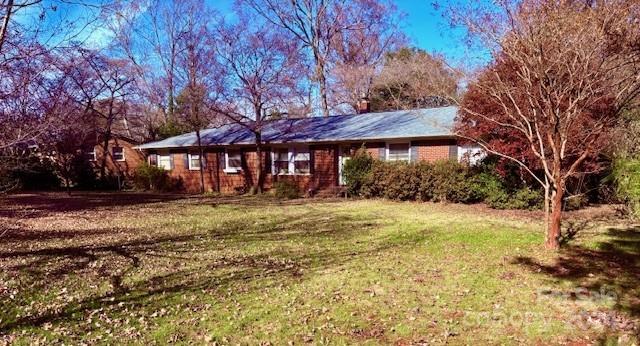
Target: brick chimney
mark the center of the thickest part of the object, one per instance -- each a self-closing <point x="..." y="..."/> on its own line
<point x="364" y="106"/>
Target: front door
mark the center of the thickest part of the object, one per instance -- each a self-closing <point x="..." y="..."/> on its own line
<point x="344" y="154"/>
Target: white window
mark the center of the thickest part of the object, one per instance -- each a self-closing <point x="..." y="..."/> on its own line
<point x="302" y="161"/>
<point x="291" y="161"/>
<point x="398" y="152"/>
<point x="194" y="162"/>
<point x="117" y="153"/>
<point x="233" y="161"/>
<point x="90" y="155"/>
<point x="281" y="161"/>
<point x="164" y="161"/>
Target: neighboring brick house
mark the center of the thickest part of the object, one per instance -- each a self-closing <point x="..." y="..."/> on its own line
<point x="310" y="151"/>
<point x="122" y="158"/>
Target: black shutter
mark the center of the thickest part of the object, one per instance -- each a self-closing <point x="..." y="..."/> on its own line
<point x="186" y="161"/>
<point x="223" y="163"/>
<point x="312" y="161"/>
<point x="267" y="160"/>
<point x="203" y="160"/>
<point x="382" y="153"/>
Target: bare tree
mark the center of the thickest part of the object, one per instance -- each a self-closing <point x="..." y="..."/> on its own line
<point x="197" y="65"/>
<point x="563" y="73"/>
<point x="150" y="36"/>
<point x="358" y="54"/>
<point x="413" y="78"/>
<point x="29" y="48"/>
<point x="263" y="74"/>
<point x="317" y="24"/>
<point x="103" y="87"/>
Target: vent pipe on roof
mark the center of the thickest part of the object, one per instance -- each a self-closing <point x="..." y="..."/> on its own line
<point x="364" y="106"/>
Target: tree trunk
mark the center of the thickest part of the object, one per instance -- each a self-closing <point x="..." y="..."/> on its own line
<point x="547" y="211"/>
<point x="67" y="184"/>
<point x="322" y="81"/>
<point x="323" y="91"/>
<point x="5" y="23"/>
<point x="553" y="227"/>
<point x="105" y="153"/>
<point x="257" y="188"/>
<point x="201" y="155"/>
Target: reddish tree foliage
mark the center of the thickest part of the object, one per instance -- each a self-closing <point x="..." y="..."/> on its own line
<point x="563" y="72"/>
<point x="480" y="116"/>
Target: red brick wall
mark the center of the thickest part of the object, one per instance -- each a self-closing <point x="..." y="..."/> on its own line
<point x="374" y="149"/>
<point x="191" y="178"/>
<point x="433" y="150"/>
<point x="132" y="158"/>
<point x="325" y="166"/>
<point x="324" y="173"/>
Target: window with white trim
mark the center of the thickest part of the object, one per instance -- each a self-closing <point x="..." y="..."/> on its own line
<point x="164" y="161"/>
<point x="90" y="155"/>
<point x="281" y="161"/>
<point x="301" y="161"/>
<point x="291" y="161"/>
<point x="398" y="152"/>
<point x="233" y="160"/>
<point x="117" y="153"/>
<point x="194" y="162"/>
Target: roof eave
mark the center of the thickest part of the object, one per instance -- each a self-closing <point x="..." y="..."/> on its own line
<point x="308" y="142"/>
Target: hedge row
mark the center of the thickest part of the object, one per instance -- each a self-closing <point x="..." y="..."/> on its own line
<point x="442" y="181"/>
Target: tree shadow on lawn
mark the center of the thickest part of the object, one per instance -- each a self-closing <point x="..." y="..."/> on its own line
<point x="43" y="204"/>
<point x="186" y="263"/>
<point x="612" y="267"/>
<point x="30" y="205"/>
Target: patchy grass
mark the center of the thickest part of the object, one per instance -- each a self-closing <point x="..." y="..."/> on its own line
<point x="126" y="268"/>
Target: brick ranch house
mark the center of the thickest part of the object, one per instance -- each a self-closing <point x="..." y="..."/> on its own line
<point x="309" y="151"/>
<point x="119" y="156"/>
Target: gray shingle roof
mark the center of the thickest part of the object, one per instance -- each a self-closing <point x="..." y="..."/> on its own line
<point x="417" y="123"/>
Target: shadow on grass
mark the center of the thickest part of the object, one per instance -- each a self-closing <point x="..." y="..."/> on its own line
<point x="143" y="268"/>
<point x="613" y="265"/>
<point x="31" y="205"/>
<point x="43" y="204"/>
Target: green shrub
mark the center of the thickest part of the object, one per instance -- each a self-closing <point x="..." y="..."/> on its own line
<point x="626" y="176"/>
<point x="452" y="182"/>
<point x="442" y="181"/>
<point x="575" y="202"/>
<point x="526" y="198"/>
<point x="286" y="189"/>
<point x="28" y="172"/>
<point x="356" y="170"/>
<point x="445" y="181"/>
<point x="147" y="177"/>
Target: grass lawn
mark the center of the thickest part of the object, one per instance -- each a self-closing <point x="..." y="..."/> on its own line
<point x="125" y="268"/>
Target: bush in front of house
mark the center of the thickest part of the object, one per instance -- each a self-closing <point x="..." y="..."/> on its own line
<point x="27" y="172"/>
<point x="355" y="171"/>
<point x="152" y="178"/>
<point x="442" y="181"/>
<point x="491" y="189"/>
<point x="286" y="189"/>
<point x="453" y="182"/>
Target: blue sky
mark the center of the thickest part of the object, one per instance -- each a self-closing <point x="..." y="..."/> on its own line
<point x="425" y="27"/>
